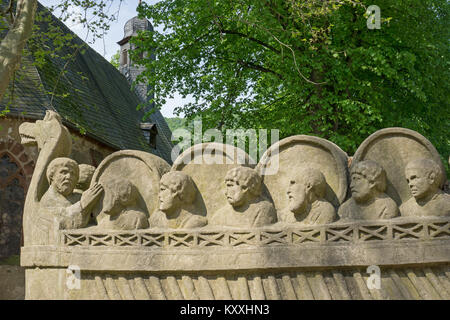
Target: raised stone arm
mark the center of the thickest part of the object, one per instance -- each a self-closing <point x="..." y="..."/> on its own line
<point x="90" y="197"/>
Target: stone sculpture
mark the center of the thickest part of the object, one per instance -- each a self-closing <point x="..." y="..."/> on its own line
<point x="393" y="149"/>
<point x="120" y="207"/>
<point x="298" y="153"/>
<point x="143" y="171"/>
<point x="256" y="258"/>
<point x="246" y="207"/>
<point x="307" y="205"/>
<point x="207" y="164"/>
<point x="176" y="195"/>
<point x="85" y="177"/>
<point x="70" y="209"/>
<point x="368" y="201"/>
<point x="423" y="177"/>
<point x="53" y="140"/>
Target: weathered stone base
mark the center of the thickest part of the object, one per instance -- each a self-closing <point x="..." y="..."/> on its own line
<point x="325" y="262"/>
<point x="412" y="282"/>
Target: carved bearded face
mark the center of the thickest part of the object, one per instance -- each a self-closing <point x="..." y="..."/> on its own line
<point x="64" y="180"/>
<point x="361" y="188"/>
<point x="235" y="193"/>
<point x="419" y="183"/>
<point x="296" y="195"/>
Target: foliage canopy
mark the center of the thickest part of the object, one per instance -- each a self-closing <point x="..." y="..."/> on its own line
<point x="304" y="67"/>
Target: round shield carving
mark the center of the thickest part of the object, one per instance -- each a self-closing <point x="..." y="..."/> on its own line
<point x="393" y="148"/>
<point x="142" y="169"/>
<point x="289" y="155"/>
<point x="207" y="164"/>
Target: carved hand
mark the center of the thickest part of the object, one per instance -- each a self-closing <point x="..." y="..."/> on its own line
<point x="91" y="195"/>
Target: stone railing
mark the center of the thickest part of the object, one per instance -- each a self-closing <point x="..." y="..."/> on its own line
<point x="351" y="232"/>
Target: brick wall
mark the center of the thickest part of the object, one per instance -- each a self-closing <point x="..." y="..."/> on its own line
<point x="16" y="169"/>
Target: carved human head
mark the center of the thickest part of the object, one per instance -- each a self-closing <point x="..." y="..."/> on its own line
<point x="62" y="174"/>
<point x="119" y="194"/>
<point x="368" y="179"/>
<point x="176" y="189"/>
<point x="86" y="173"/>
<point x="306" y="185"/>
<point x="423" y="177"/>
<point x="242" y="185"/>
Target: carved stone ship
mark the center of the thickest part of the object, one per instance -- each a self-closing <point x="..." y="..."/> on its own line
<point x="298" y="225"/>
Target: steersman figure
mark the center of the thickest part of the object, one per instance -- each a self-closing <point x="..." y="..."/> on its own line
<point x="246" y="207"/>
<point x="368" y="201"/>
<point x="306" y="192"/>
<point x="176" y="197"/>
<point x="423" y="177"/>
<point x="72" y="210"/>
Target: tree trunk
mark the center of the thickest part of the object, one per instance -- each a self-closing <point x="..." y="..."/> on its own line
<point x="12" y="45"/>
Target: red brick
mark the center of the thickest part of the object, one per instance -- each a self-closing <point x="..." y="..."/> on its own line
<point x="29" y="168"/>
<point x="17" y="149"/>
<point x="11" y="143"/>
<point x="23" y="158"/>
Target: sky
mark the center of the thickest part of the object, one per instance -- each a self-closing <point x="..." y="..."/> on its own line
<point x="108" y="46"/>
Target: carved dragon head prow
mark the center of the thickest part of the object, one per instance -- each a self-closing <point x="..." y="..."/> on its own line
<point x="49" y="131"/>
<point x="53" y="140"/>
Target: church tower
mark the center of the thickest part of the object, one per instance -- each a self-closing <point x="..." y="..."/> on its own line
<point x="131" y="72"/>
<point x="126" y="66"/>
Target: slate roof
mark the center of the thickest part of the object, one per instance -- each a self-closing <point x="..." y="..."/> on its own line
<point x="92" y="95"/>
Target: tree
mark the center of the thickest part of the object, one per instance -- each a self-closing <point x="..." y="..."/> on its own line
<point x="175" y="123"/>
<point x="13" y="43"/>
<point x="115" y="59"/>
<point x="304" y="67"/>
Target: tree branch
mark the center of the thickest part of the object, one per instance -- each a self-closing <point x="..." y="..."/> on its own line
<point x="251" y="39"/>
<point x="12" y="45"/>
<point x="251" y="65"/>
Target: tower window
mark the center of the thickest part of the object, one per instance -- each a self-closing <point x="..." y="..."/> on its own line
<point x="124" y="57"/>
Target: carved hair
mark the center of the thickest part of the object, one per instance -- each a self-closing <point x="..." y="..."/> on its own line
<point x="373" y="172"/>
<point x="313" y="177"/>
<point x="123" y="190"/>
<point x="246" y="177"/>
<point x="180" y="184"/>
<point x="57" y="163"/>
<point x="428" y="166"/>
<point x="86" y="173"/>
